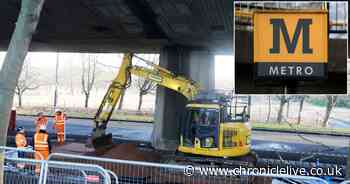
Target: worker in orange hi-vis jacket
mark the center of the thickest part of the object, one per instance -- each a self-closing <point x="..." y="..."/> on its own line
<point x="60" y="120"/>
<point x="42" y="146"/>
<point x="41" y="120"/>
<point x="21" y="143"/>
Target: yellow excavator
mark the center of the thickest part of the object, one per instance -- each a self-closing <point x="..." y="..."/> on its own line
<point x="214" y="124"/>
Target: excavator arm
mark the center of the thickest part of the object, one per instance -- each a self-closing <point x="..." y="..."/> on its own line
<point x="154" y="73"/>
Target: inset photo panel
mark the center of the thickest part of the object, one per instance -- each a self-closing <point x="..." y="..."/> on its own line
<point x="288" y="47"/>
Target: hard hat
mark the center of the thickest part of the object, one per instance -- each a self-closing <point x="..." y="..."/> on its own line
<point x="58" y="110"/>
<point x="40" y="113"/>
<point x="20" y="129"/>
<point x="42" y="127"/>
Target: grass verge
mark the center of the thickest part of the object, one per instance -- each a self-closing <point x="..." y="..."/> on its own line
<point x="299" y="128"/>
<point x="123" y="115"/>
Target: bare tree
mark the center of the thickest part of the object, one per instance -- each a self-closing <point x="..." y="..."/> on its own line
<point x="331" y="102"/>
<point x="249" y="104"/>
<point x="55" y="97"/>
<point x="27" y="81"/>
<point x="121" y="100"/>
<point x="71" y="78"/>
<point x="283" y="100"/>
<point x="88" y="76"/>
<point x="301" y="105"/>
<point x="287" y="100"/>
<point x="269" y="109"/>
<point x="26" y="24"/>
<point x="287" y="109"/>
<point x="145" y="87"/>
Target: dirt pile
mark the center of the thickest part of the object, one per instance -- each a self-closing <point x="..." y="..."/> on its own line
<point x="131" y="151"/>
<point x="71" y="148"/>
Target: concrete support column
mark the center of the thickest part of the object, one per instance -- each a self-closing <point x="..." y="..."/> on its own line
<point x="197" y="65"/>
<point x="202" y="67"/>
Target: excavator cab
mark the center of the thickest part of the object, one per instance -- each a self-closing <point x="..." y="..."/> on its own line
<point x="201" y="125"/>
<point x="216" y="125"/>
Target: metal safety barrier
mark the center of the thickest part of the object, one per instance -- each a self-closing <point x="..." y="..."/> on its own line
<point x="69" y="172"/>
<point x="125" y="171"/>
<point x="149" y="172"/>
<point x="115" y="177"/>
<point x="145" y="172"/>
<point x="22" y="168"/>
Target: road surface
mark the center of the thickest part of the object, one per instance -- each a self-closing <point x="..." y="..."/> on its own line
<point x="266" y="140"/>
<point x="338" y="123"/>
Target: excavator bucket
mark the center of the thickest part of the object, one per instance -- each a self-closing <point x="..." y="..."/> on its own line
<point x="102" y="143"/>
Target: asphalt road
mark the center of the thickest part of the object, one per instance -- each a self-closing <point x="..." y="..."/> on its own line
<point x="338" y="123"/>
<point x="276" y="141"/>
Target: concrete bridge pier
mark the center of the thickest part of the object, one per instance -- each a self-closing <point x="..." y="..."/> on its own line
<point x="195" y="64"/>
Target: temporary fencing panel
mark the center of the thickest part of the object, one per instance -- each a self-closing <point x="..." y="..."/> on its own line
<point x="147" y="172"/>
<point x="106" y="171"/>
<point x="68" y="172"/>
<point x="20" y="167"/>
<point x="20" y="170"/>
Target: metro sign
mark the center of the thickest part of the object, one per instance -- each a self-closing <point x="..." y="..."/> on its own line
<point x="291" y="44"/>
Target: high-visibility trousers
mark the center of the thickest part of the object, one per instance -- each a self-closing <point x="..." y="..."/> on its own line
<point x="40" y="154"/>
<point x="60" y="133"/>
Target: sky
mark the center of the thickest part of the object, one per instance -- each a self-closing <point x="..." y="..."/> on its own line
<point x="45" y="61"/>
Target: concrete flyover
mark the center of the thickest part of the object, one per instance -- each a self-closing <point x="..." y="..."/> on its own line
<point x="186" y="33"/>
<point x="124" y="25"/>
